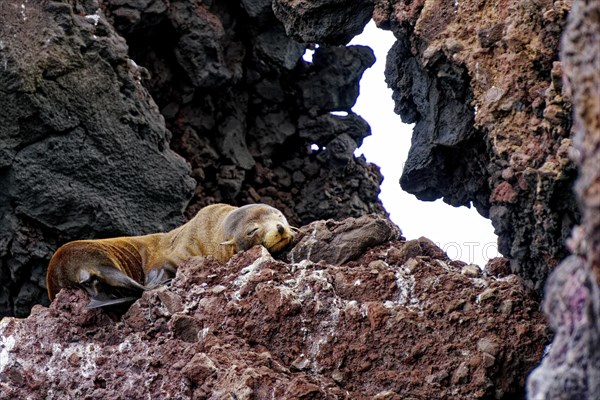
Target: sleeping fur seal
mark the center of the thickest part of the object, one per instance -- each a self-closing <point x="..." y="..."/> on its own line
<point x="118" y="270"/>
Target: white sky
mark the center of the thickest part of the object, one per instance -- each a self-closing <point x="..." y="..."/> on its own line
<point x="461" y="232"/>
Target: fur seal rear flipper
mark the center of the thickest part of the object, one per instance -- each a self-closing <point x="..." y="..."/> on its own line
<point x="112" y="287"/>
<point x="108" y="286"/>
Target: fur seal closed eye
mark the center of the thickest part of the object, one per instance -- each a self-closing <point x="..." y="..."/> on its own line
<point x="118" y="270"/>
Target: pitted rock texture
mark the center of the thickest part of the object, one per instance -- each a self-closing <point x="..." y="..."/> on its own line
<point x="337" y="242"/>
<point x="483" y="84"/>
<point x="581" y="55"/>
<point x="401" y="321"/>
<point x="571" y="370"/>
<point x="244" y="107"/>
<point x="84" y="151"/>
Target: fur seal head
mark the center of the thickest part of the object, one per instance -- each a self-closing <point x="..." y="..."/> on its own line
<point x="254" y="224"/>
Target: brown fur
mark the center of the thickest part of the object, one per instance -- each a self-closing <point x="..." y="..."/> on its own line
<point x="118" y="269"/>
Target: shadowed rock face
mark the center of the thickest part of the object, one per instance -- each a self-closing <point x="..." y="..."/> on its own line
<point x="400" y="320"/>
<point x="83" y="148"/>
<point x="448" y="156"/>
<point x="325" y="21"/>
<point x="244" y="107"/>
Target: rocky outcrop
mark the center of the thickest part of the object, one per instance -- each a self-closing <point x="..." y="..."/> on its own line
<point x="84" y="151"/>
<point x="95" y="144"/>
<point x="324" y="22"/>
<point x="258" y="123"/>
<point x="393" y="321"/>
<point x="483" y="85"/>
<point x="571" y="370"/>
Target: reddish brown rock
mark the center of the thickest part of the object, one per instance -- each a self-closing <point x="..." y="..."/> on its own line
<point x="483" y="86"/>
<point x="498" y="267"/>
<point x="259" y="327"/>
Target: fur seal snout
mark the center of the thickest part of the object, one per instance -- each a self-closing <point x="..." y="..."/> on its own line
<point x="118" y="270"/>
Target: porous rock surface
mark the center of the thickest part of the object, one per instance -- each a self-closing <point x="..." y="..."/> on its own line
<point x="482" y="83"/>
<point x="571" y="370"/>
<point x="398" y="321"/>
<point x="244" y="107"/>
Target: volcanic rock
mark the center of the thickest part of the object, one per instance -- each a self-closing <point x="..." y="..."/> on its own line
<point x="85" y="153"/>
<point x="339" y="242"/>
<point x="324" y="21"/>
<point x="248" y="107"/>
<point x="353" y="310"/>
<point x="492" y="123"/>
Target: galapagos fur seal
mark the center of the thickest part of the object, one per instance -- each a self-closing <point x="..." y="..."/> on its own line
<point x="118" y="270"/>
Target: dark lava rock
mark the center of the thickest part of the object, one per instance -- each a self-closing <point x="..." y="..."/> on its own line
<point x="339" y="242"/>
<point x="258" y="327"/>
<point x="84" y="151"/>
<point x="323" y="21"/>
<point x="245" y="107"/>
